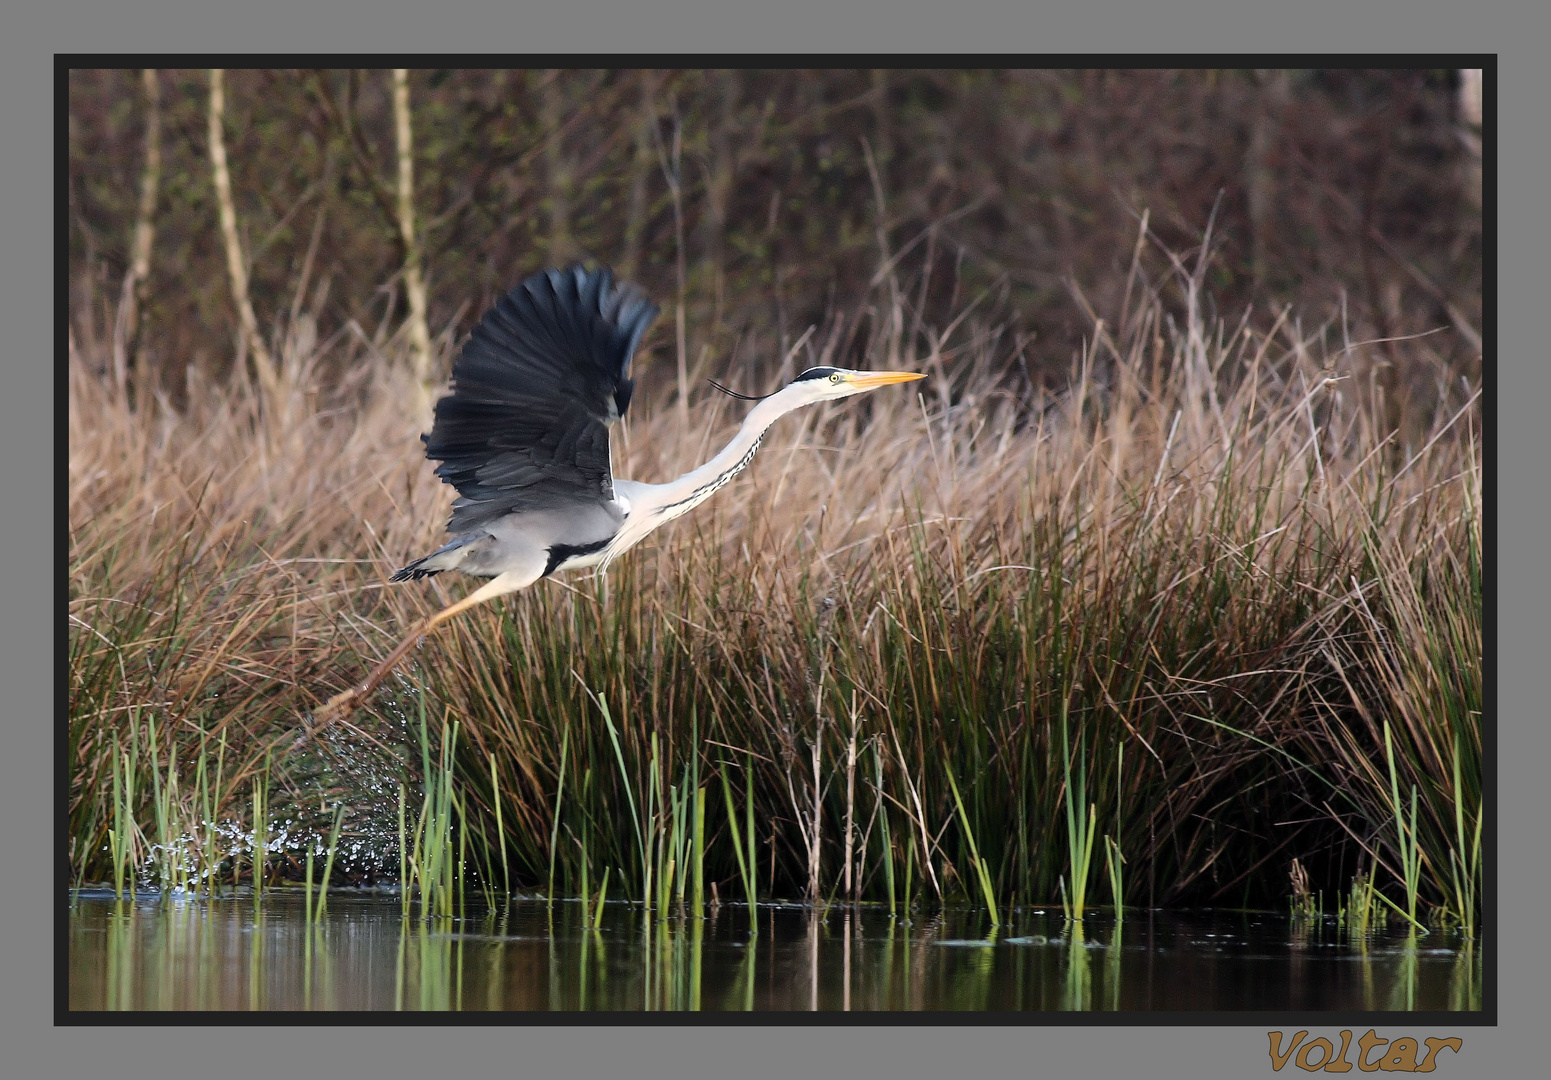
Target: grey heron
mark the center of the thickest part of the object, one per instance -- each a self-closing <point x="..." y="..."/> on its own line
<point x="524" y="439"/>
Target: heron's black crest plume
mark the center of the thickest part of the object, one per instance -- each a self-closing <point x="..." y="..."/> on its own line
<point x="816" y="373"/>
<point x="735" y="394"/>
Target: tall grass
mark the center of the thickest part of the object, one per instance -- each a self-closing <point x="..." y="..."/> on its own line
<point x="1080" y="826"/>
<point x="1204" y="551"/>
<point x="743" y="846"/>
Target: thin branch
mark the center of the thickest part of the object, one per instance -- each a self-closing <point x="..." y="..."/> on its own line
<point x="236" y="267"/>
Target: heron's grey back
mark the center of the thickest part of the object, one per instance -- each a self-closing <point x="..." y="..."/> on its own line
<point x="543" y="376"/>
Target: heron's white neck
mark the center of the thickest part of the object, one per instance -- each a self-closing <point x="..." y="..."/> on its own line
<point x="652" y="505"/>
<point x="668" y="501"/>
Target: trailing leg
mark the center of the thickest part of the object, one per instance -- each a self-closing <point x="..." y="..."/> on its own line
<point x="345" y="703"/>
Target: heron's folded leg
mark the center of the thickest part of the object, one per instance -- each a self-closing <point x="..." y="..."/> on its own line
<point x="343" y="704"/>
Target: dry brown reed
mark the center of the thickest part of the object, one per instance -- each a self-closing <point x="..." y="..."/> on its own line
<point x="1206" y="548"/>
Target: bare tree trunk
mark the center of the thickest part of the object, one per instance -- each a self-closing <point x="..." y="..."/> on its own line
<point x="1471" y="106"/>
<point x="559" y="168"/>
<point x="414" y="281"/>
<point x="126" y="329"/>
<point x="236" y="267"/>
<point x="1471" y="96"/>
<point x="635" y="224"/>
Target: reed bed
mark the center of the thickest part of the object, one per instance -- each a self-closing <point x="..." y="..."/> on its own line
<point x="1197" y="598"/>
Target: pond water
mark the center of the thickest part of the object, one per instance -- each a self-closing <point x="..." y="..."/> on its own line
<point x="174" y="953"/>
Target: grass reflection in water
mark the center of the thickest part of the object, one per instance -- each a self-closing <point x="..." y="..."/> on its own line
<point x="178" y="954"/>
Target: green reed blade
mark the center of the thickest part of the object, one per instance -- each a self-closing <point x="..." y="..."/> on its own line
<point x="748" y="810"/>
<point x="974" y="851"/>
<point x="1112" y="861"/>
<point x="624" y="778"/>
<point x="554" y="828"/>
<point x="884" y="835"/>
<point x="603" y="892"/>
<point x="328" y="863"/>
<point x="697" y="898"/>
<point x="500" y="832"/>
<point x="403" y="857"/>
<point x="586" y="854"/>
<point x="733" y="831"/>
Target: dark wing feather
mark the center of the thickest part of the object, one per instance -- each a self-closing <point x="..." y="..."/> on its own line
<point x="543" y="376"/>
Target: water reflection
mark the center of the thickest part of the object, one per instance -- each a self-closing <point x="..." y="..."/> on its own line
<point x="1079" y="973"/>
<point x="182" y="954"/>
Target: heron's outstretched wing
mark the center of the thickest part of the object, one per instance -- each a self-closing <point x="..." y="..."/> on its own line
<point x="534" y="392"/>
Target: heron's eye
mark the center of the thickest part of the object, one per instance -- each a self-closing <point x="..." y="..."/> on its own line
<point x="835" y="378"/>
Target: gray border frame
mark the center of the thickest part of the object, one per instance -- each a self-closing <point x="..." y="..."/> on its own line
<point x="35" y="1048"/>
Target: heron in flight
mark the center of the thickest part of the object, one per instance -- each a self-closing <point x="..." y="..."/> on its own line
<point x="524" y="439"/>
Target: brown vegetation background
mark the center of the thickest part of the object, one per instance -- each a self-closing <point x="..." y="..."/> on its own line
<point x="1207" y="486"/>
<point x="1358" y="188"/>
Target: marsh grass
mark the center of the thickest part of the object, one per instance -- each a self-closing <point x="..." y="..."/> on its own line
<point x="1113" y="858"/>
<point x="432" y="869"/>
<point x="743" y="846"/>
<point x="981" y="872"/>
<point x="1080" y="827"/>
<point x="316" y="914"/>
<point x="1204" y="549"/>
<point x="1361" y="911"/>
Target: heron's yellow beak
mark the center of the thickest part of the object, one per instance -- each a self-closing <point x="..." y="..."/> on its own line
<point x="871" y="380"/>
